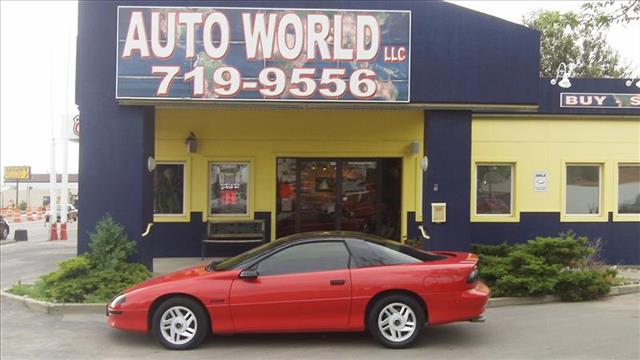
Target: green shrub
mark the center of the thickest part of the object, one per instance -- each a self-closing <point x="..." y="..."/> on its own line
<point x="566" y="249"/>
<point x="93" y="277"/>
<point x="91" y="285"/>
<point x="491" y="250"/>
<point x="542" y="266"/>
<point x="108" y="283"/>
<point x="109" y="245"/>
<point x="22" y="205"/>
<point x="583" y="285"/>
<point x="526" y="275"/>
<point x="66" y="284"/>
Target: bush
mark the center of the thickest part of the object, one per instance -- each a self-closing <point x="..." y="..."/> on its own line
<point x="566" y="249"/>
<point x="564" y="265"/>
<point x="582" y="285"/>
<point x="109" y="245"/>
<point x="22" y="206"/>
<point x="94" y="277"/>
<point x="491" y="250"/>
<point x="67" y="283"/>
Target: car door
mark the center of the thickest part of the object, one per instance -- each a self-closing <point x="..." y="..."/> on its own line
<point x="304" y="287"/>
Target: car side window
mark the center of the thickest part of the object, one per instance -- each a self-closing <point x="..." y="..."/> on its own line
<point x="367" y="254"/>
<point x="303" y="258"/>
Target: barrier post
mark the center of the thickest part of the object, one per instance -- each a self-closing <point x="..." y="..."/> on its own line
<point x="63" y="231"/>
<point x="54" y="231"/>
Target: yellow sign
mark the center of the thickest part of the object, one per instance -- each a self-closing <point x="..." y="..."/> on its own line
<point x="17" y="172"/>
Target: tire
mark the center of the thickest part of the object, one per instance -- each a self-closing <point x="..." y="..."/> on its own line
<point x="5" y="233"/>
<point x="396" y="321"/>
<point x="186" y="323"/>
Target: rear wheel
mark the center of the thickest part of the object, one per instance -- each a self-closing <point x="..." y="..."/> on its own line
<point x="396" y="321"/>
<point x="180" y="323"/>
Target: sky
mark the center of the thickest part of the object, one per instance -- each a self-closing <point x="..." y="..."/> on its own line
<point x="41" y="62"/>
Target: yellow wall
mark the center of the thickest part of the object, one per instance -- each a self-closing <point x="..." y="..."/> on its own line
<point x="545" y="144"/>
<point x="259" y="136"/>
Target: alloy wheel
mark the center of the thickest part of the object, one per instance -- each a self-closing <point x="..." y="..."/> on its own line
<point x="178" y="325"/>
<point x="397" y="322"/>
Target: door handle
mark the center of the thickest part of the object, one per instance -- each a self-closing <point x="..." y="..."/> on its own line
<point x="337" y="282"/>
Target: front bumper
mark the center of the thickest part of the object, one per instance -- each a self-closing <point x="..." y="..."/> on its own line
<point x="129" y="320"/>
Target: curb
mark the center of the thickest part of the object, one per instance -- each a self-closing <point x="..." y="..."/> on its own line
<point x="75" y="308"/>
<point x="512" y="301"/>
<point x="53" y="308"/>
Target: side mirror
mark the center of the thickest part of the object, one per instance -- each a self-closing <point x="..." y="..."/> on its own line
<point x="248" y="274"/>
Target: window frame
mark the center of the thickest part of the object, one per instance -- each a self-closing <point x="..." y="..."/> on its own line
<point x="249" y="212"/>
<point x="256" y="263"/>
<point x="616" y="195"/>
<point x="184" y="189"/>
<point x="602" y="215"/>
<point x="512" y="211"/>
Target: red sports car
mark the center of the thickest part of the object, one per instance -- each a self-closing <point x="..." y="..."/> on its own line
<point x="311" y="282"/>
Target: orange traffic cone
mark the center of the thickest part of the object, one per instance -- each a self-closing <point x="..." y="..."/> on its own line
<point x="63" y="231"/>
<point x="39" y="213"/>
<point x="16" y="215"/>
<point x="29" y="214"/>
<point x="54" y="231"/>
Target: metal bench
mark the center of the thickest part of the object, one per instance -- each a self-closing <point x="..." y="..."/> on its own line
<point x="230" y="232"/>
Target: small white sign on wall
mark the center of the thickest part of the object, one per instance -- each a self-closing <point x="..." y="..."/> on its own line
<point x="540" y="181"/>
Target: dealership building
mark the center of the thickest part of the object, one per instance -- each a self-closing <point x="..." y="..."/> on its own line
<point x="230" y="124"/>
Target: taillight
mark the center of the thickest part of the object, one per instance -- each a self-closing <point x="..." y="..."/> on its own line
<point x="473" y="276"/>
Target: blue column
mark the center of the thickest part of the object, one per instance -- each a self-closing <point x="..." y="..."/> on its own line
<point x="447" y="139"/>
<point x="116" y="140"/>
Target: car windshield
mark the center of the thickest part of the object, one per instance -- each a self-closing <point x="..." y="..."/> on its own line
<point x="230" y="263"/>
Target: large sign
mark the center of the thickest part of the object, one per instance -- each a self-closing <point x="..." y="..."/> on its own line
<point x="600" y="100"/>
<point x="17" y="172"/>
<point x="263" y="54"/>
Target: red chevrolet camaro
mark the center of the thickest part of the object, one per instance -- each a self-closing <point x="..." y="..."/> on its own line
<point x="311" y="282"/>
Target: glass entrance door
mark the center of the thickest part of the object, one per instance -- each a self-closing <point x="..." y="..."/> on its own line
<point x="338" y="194"/>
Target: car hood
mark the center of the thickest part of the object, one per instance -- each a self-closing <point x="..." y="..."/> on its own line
<point x="183" y="274"/>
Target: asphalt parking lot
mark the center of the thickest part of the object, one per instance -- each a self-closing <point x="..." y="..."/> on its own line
<point x="605" y="329"/>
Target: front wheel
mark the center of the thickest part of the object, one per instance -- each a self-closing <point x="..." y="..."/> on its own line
<point x="5" y="234"/>
<point x="180" y="323"/>
<point x="396" y="321"/>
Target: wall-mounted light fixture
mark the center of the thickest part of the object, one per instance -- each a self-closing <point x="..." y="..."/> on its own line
<point x="192" y="143"/>
<point x="630" y="82"/>
<point x="424" y="163"/>
<point x="562" y="71"/>
<point x="151" y="163"/>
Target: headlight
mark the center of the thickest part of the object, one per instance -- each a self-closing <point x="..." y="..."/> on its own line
<point x="118" y="300"/>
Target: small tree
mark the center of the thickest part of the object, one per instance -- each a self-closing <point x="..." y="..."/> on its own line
<point x="22" y="206"/>
<point x="603" y="14"/>
<point x="109" y="245"/>
<point x="582" y="47"/>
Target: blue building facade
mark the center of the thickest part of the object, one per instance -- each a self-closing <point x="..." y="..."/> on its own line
<point x="469" y="73"/>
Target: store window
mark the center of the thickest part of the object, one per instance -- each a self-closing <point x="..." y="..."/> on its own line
<point x="168" y="187"/>
<point x="494" y="190"/>
<point x="629" y="189"/>
<point x="583" y="189"/>
<point x="228" y="188"/>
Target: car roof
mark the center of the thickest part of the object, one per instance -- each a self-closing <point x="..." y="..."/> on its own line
<point x="319" y="235"/>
